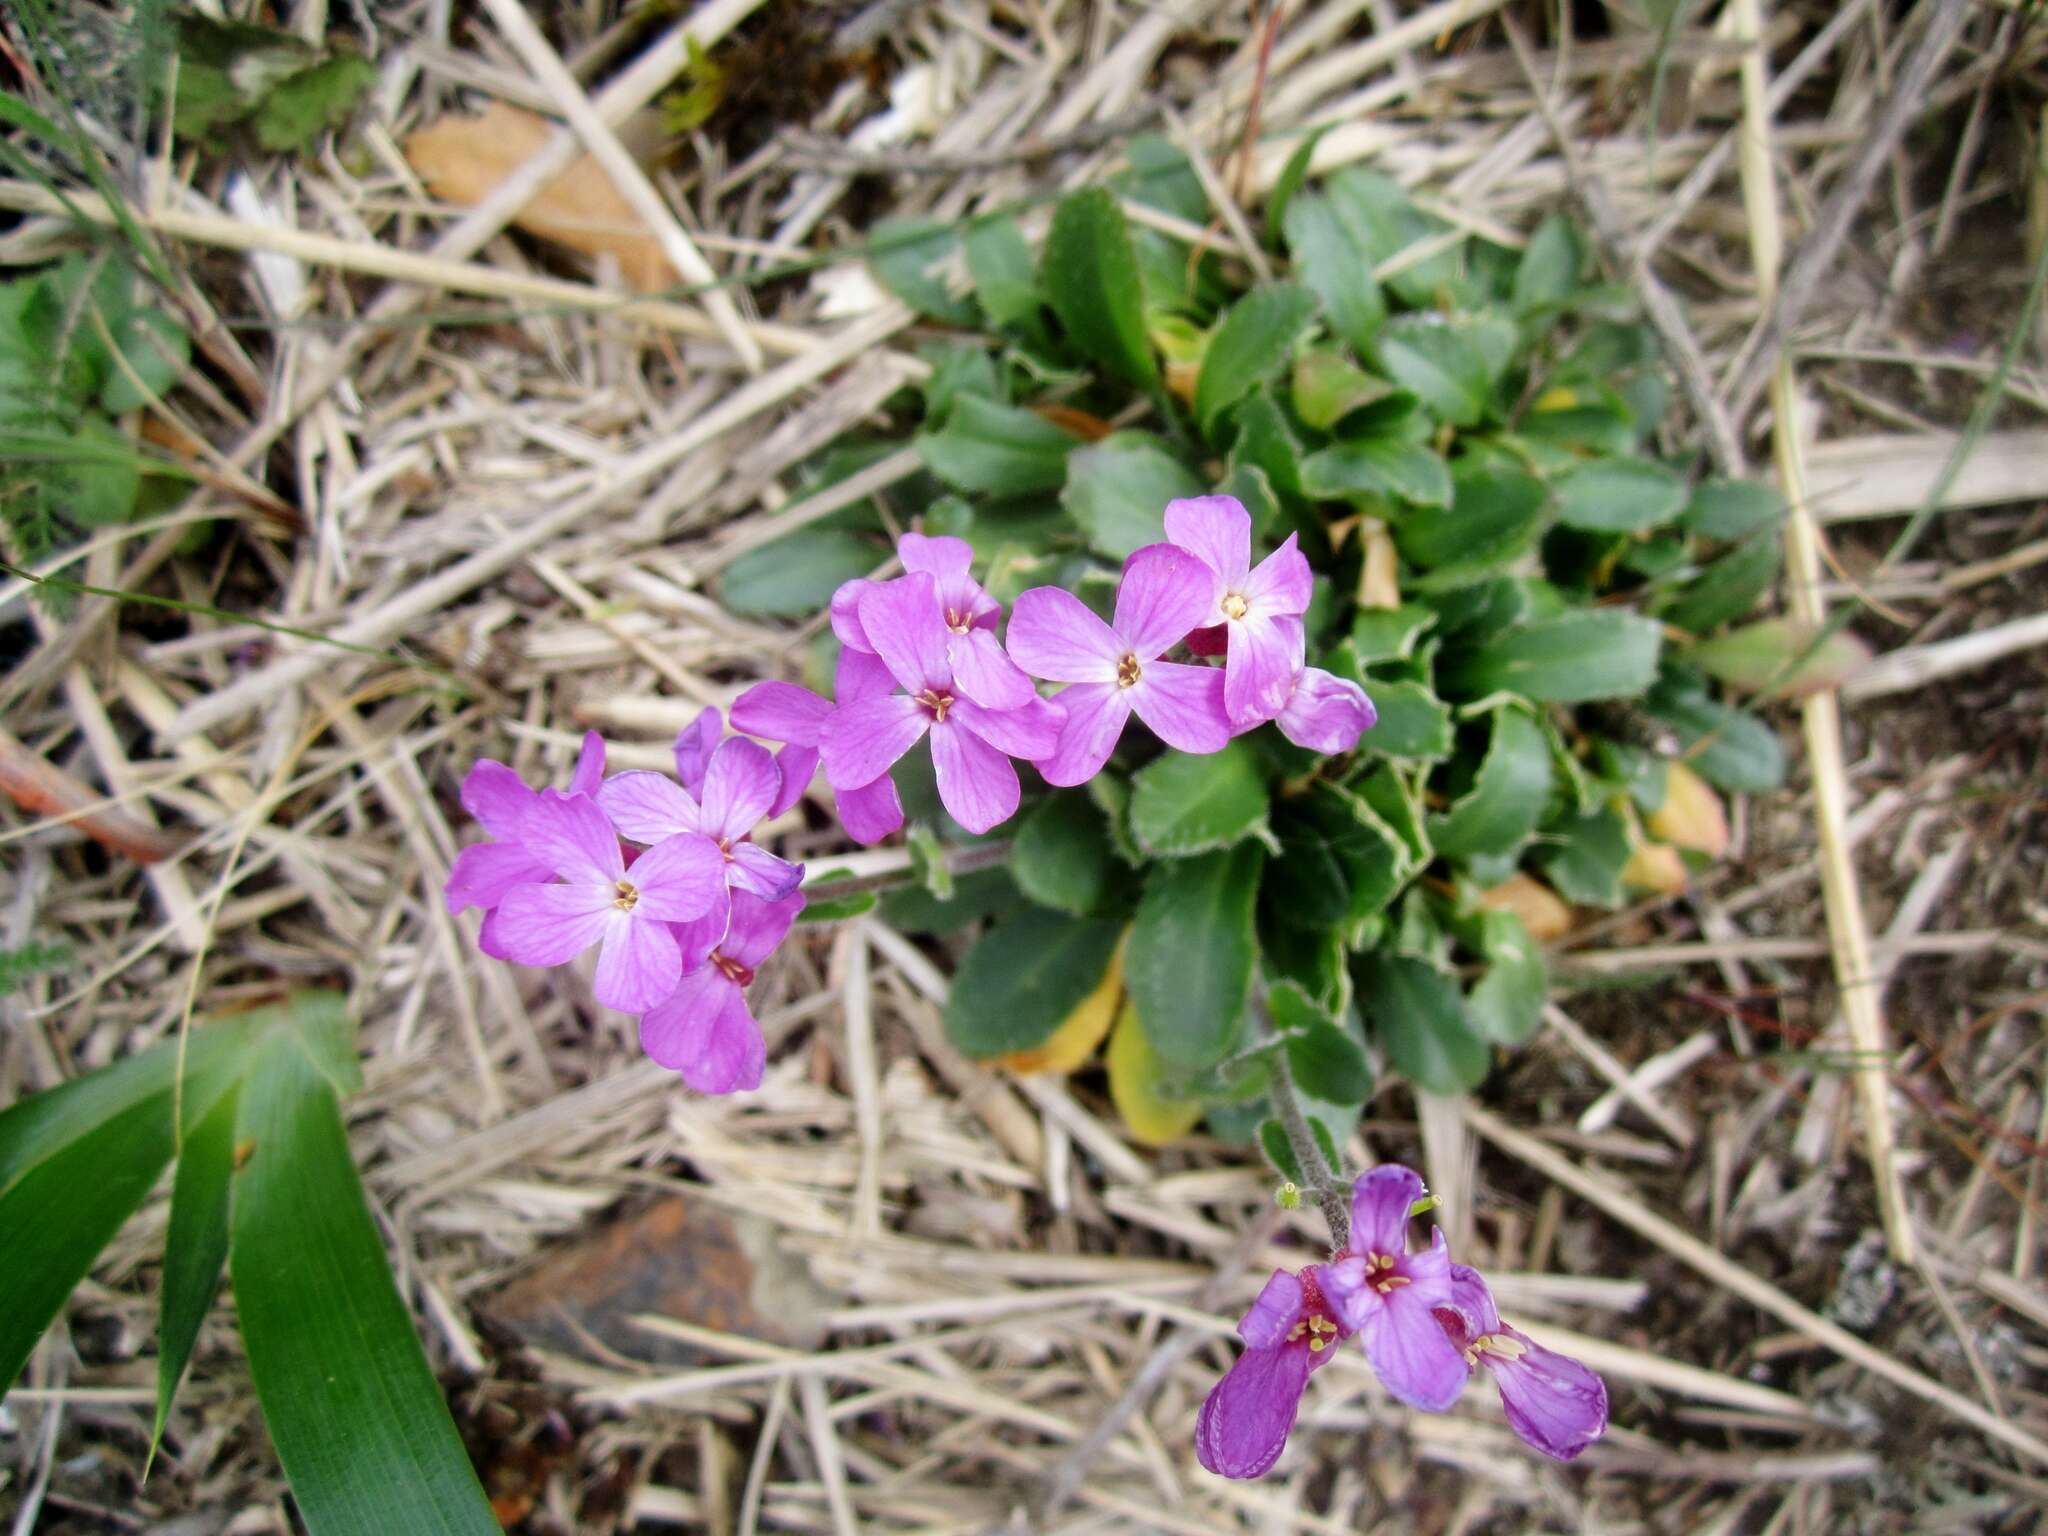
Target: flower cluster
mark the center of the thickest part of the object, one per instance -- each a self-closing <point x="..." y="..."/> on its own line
<point x="662" y="879"/>
<point x="1424" y="1323"/>
<point x="920" y="658"/>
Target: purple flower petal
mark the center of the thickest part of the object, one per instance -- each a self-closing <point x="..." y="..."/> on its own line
<point x="1056" y="636"/>
<point x="1095" y="717"/>
<point x="753" y="868"/>
<point x="1326" y="713"/>
<point x="1031" y="733"/>
<point x="781" y="712"/>
<point x="1246" y="1418"/>
<point x="862" y="740"/>
<point x="902" y="621"/>
<point x="639" y="963"/>
<point x="796" y="766"/>
<point x="1381" y="1199"/>
<point x="1281" y="584"/>
<point x="740" y="784"/>
<point x="648" y="807"/>
<point x="550" y="924"/>
<point x="1183" y="705"/>
<point x="488" y="938"/>
<point x="1264" y="664"/>
<point x="694" y="745"/>
<point x="846" y="615"/>
<point x="758" y="926"/>
<point x="572" y="837"/>
<point x="1413" y="1357"/>
<point x="870" y="812"/>
<point x="977" y="784"/>
<point x="697" y="938"/>
<point x="1552" y="1401"/>
<point x="1472" y="1304"/>
<point x="705" y="1031"/>
<point x="495" y="796"/>
<point x="589" y="771"/>
<point x="1165" y="593"/>
<point x="677" y="879"/>
<point x="484" y="872"/>
<point x="939" y="557"/>
<point x="860" y="675"/>
<point x="984" y="672"/>
<point x="1218" y="530"/>
<point x="1278" y="1306"/>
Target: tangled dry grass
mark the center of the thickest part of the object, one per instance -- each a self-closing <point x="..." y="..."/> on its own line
<point x="893" y="1291"/>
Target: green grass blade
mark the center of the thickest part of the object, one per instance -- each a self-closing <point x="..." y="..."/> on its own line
<point x="194" y="1249"/>
<point x="356" y="1415"/>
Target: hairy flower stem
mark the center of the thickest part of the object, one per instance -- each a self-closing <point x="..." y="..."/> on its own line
<point x="1317" y="1175"/>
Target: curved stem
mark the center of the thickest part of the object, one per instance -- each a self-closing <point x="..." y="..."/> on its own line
<point x="1320" y="1176"/>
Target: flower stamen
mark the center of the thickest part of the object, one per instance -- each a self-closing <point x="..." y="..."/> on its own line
<point x="732" y="969"/>
<point x="1128" y="671"/>
<point x="627" y="896"/>
<point x="1234" y="606"/>
<point x="936" y="702"/>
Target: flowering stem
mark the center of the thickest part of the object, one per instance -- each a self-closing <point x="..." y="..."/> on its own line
<point x="961" y="861"/>
<point x="1317" y="1174"/>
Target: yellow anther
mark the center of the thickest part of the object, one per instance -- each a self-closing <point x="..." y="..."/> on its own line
<point x="1317" y="1344"/>
<point x="1128" y="671"/>
<point x="1234" y="607"/>
<point x="626" y="896"/>
<point x="1296" y="1332"/>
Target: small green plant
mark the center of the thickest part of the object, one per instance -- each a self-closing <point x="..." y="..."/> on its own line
<point x="264" y="1186"/>
<point x="282" y="89"/>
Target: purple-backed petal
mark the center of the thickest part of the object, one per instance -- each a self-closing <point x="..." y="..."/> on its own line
<point x="1411" y="1354"/>
<point x="1326" y="713"/>
<point x="1246" y="1418"/>
<point x="705" y="1031"/>
<point x="977" y="784"/>
<point x="1032" y="732"/>
<point x="488" y="938"/>
<point x="846" y="615"/>
<point x="495" y="796"/>
<point x="1381" y="1199"/>
<point x="1472" y="1302"/>
<point x="694" y="746"/>
<point x="1056" y="636"/>
<point x="870" y="812"/>
<point x="1552" y="1401"/>
<point x="678" y="878"/>
<point x="753" y="868"/>
<point x="589" y="770"/>
<point x="795" y="765"/>
<point x="938" y="556"/>
<point x="697" y="938"/>
<point x="1281" y="584"/>
<point x="484" y="872"/>
<point x="758" y="926"/>
<point x="1214" y="640"/>
<point x="648" y="807"/>
<point x="902" y="621"/>
<point x="638" y="965"/>
<point x="984" y="672"/>
<point x="740" y="783"/>
<point x="862" y="740"/>
<point x="781" y="712"/>
<point x="860" y="675"/>
<point x="570" y="835"/>
<point x="1216" y="528"/>
<point x="1183" y="705"/>
<point x="1264" y="665"/>
<point x="1165" y="593"/>
<point x="1095" y="714"/>
<point x="1428" y="1273"/>
<point x="1275" y="1310"/>
<point x="550" y="924"/>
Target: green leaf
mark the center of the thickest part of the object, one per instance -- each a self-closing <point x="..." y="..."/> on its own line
<point x="1328" y="386"/>
<point x="1162" y="177"/>
<point x="1589" y="654"/>
<point x="1618" y="495"/>
<point x="1413" y="722"/>
<point x="1728" y="588"/>
<point x="1091" y="275"/>
<point x="1340" y="862"/>
<point x="1265" y="441"/>
<point x="1548" y="272"/>
<point x="1388" y="634"/>
<point x="1000" y="450"/>
<point x="928" y="862"/>
<point x="1292" y="175"/>
<point x="299" y="108"/>
<point x="1385" y="466"/>
<point x="958" y="369"/>
<point x="1440" y="363"/>
<point x="1506" y="1004"/>
<point x="795" y="576"/>
<point x="1728" y="747"/>
<point x="999" y="261"/>
<point x="1188" y="962"/>
<point x="1758" y="656"/>
<point x="1029" y="972"/>
<point x="1292" y="1010"/>
<point x="1385" y="223"/>
<point x="1279" y="1151"/>
<point x="1494" y="516"/>
<point x="840" y="909"/>
<point x="157" y="351"/>
<point x="1252" y="344"/>
<point x="1117" y="491"/>
<point x="1732" y="509"/>
<point x="1061" y="857"/>
<point x="1587" y="857"/>
<point x="1331" y="263"/>
<point x="1328" y="1063"/>
<point x="1185" y="804"/>
<point x="352" y="1407"/>
<point x="1419" y="1018"/>
<point x="905" y="254"/>
<point x="98" y="484"/>
<point x="985" y="893"/>
<point x="1508" y="794"/>
<point x="195" y="1247"/>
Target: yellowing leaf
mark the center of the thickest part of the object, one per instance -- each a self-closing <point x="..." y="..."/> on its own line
<point x="1561" y="397"/>
<point x="1152" y="1118"/>
<point x="1067" y="1047"/>
<point x="1655" y="867"/>
<point x="1692" y="816"/>
<point x="1542" y="911"/>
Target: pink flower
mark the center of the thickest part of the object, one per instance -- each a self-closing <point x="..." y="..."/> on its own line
<point x="596" y="902"/>
<point x="1114" y="668"/>
<point x="1388" y="1295"/>
<point x="1551" y="1400"/>
<point x="784" y="712"/>
<point x="981" y="669"/>
<point x="739" y="785"/>
<point x="1289" y="1331"/>
<point x="971" y="744"/>
<point x="704" y="1029"/>
<point x="695" y="743"/>
<point x="496" y="796"/>
<point x="1326" y="713"/>
<point x="1260" y="609"/>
